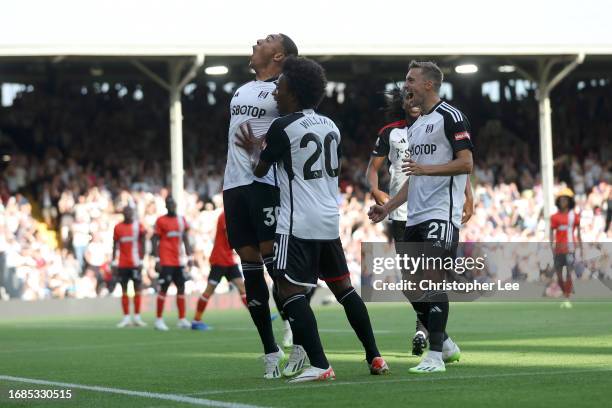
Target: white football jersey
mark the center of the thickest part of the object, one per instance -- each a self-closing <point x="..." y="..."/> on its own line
<point x="252" y="102"/>
<point x="434" y="139"/>
<point x="306" y="148"/>
<point x="392" y="142"/>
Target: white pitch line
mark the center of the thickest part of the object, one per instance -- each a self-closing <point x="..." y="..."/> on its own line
<point x="144" y="394"/>
<point x="401" y="380"/>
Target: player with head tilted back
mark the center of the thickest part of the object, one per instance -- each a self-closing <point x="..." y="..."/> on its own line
<point x="172" y="249"/>
<point x="251" y="203"/>
<point x="128" y="240"/>
<point x="392" y="144"/>
<point x="306" y="148"/>
<point x="439" y="161"/>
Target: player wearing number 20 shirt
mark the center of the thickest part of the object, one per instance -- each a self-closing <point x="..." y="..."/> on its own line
<point x="307" y="147"/>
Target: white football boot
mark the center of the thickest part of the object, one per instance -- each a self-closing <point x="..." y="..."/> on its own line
<point x="431" y="363"/>
<point x="315" y="374"/>
<point x="125" y="322"/>
<point x="160" y="325"/>
<point x="272" y="363"/>
<point x="297" y="360"/>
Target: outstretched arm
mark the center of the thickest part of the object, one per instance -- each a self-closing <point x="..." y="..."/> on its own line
<point x="374" y="166"/>
<point x="378" y="213"/>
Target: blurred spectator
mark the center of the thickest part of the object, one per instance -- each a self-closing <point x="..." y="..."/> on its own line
<point x="102" y="151"/>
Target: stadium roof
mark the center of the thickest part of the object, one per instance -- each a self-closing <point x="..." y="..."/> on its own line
<point x="319" y="27"/>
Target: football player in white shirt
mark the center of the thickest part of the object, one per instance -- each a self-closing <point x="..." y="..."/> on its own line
<point x="392" y="144"/>
<point x="251" y="203"/>
<point x="439" y="162"/>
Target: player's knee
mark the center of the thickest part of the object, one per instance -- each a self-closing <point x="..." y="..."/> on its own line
<point x="137" y="285"/>
<point x="287" y="289"/>
<point x="124" y="286"/>
<point x="163" y="287"/>
<point x="249" y="253"/>
<point x="239" y="284"/>
<point x="180" y="288"/>
<point x="210" y="289"/>
<point x="338" y="288"/>
<point x="412" y="295"/>
<point x="436" y="297"/>
<point x="266" y="247"/>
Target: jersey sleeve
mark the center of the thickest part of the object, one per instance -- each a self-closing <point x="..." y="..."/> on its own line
<point x="458" y="133"/>
<point x="115" y="233"/>
<point x="553" y="222"/>
<point x="277" y="143"/>
<point x="381" y="148"/>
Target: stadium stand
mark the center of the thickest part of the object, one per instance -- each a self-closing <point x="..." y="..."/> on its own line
<point x="78" y="155"/>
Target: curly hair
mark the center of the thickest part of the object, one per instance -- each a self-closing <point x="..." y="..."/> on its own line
<point x="394" y="104"/>
<point x="306" y="80"/>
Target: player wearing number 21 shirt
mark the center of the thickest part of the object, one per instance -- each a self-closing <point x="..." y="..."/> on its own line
<point x="439" y="161"/>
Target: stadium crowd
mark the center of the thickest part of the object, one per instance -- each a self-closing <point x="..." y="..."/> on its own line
<point x="81" y="154"/>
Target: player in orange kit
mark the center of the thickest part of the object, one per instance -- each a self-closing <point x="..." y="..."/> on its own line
<point x="564" y="234"/>
<point x="171" y="247"/>
<point x="128" y="238"/>
<point x="222" y="264"/>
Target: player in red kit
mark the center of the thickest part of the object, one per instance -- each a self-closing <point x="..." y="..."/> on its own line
<point x="128" y="239"/>
<point x="222" y="264"/>
<point x="171" y="247"/>
<point x="564" y="235"/>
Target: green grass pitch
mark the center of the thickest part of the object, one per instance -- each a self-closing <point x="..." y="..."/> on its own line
<point x="513" y="355"/>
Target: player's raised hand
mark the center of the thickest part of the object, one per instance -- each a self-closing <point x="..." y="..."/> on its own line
<point x="247" y="140"/>
<point x="377" y="213"/>
<point x="412" y="168"/>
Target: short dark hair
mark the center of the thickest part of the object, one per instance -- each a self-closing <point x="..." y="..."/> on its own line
<point x="306" y="80"/>
<point x="289" y="46"/>
<point x="431" y="71"/>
